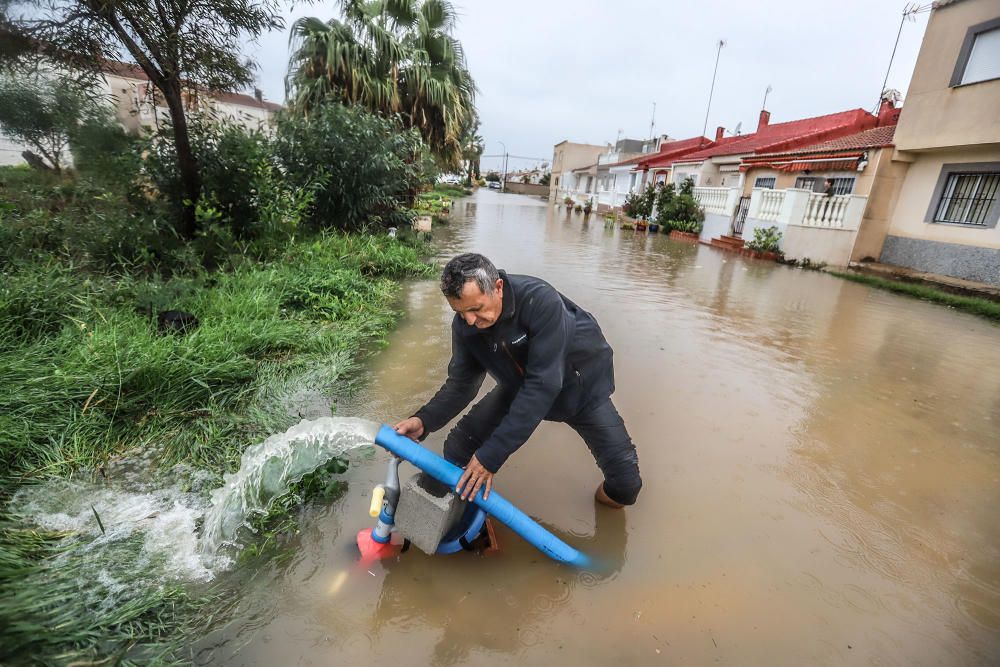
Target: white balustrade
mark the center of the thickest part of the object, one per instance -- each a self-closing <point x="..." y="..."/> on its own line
<point x="770" y="204"/>
<point x="838" y="211"/>
<point x="713" y="200"/>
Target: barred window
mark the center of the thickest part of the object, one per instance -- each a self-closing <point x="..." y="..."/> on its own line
<point x="764" y="182"/>
<point x="842" y="186"/>
<point x="967" y="198"/>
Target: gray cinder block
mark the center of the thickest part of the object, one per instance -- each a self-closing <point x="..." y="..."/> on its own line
<point x="427" y="509"/>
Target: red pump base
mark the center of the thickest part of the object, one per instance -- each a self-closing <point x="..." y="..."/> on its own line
<point x="372" y="551"/>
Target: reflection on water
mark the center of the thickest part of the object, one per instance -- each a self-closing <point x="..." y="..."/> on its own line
<point x="820" y="463"/>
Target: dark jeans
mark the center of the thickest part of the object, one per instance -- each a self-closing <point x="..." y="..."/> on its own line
<point x="599" y="424"/>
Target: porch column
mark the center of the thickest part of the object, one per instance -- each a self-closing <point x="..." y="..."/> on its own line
<point x="732" y="199"/>
<point x="794" y="205"/>
<point x="753" y="211"/>
<point x="854" y="211"/>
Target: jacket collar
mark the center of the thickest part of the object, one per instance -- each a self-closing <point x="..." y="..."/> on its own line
<point x="508" y="305"/>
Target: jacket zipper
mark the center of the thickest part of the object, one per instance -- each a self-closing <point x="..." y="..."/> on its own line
<point x="516" y="365"/>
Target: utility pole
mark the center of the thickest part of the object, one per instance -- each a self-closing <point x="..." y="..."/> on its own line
<point x="769" y="89"/>
<point x="652" y="121"/>
<point x="711" y="91"/>
<point x="503" y="168"/>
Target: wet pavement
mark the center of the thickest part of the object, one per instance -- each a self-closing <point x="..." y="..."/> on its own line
<point x="821" y="464"/>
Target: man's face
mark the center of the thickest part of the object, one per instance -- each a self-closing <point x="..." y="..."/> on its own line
<point x="476" y="308"/>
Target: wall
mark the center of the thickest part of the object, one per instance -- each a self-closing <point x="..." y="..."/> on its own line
<point x="970" y="110"/>
<point x="884" y="186"/>
<point x="753" y="223"/>
<point x="954" y="250"/>
<point x="527" y="189"/>
<point x="717" y="225"/>
<point x="819" y="244"/>
<point x="918" y="189"/>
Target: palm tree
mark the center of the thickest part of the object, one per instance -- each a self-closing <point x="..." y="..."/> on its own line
<point x="390" y="57"/>
<point x="472" y="149"/>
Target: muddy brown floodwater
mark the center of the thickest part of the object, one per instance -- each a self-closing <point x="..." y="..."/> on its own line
<point x="821" y="464"/>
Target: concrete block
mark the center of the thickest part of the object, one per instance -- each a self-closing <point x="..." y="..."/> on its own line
<point x="426" y="511"/>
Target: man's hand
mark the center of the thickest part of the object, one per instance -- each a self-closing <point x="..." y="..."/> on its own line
<point x="475" y="476"/>
<point x="412" y="428"/>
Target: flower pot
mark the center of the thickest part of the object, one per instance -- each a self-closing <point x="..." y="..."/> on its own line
<point x="653" y="227"/>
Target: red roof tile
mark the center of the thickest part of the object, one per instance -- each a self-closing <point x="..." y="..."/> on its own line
<point x="779" y="136"/>
<point x="876" y="137"/>
<point x="669" y="151"/>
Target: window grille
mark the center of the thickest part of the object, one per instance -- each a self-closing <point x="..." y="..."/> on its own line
<point x="967" y="198"/>
<point x="842" y="186"/>
<point x="765" y="182"/>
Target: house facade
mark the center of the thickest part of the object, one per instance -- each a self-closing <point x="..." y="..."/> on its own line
<point x="945" y="219"/>
<point x="568" y="156"/>
<point x="831" y="201"/>
<point x="138" y="109"/>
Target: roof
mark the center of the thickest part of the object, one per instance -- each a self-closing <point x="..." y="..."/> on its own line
<point x="669" y="151"/>
<point x="780" y="136"/>
<point x="876" y="137"/>
<point x="133" y="71"/>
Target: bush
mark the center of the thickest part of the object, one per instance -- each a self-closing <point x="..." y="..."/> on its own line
<point x="766" y="240"/>
<point x="364" y="169"/>
<point x="104" y="152"/>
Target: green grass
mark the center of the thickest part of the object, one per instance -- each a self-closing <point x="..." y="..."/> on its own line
<point x="85" y="376"/>
<point x="970" y="304"/>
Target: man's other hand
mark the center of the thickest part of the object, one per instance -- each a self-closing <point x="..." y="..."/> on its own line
<point x="475" y="476"/>
<point x="412" y="428"/>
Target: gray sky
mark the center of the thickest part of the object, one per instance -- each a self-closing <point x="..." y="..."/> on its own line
<point x="554" y="70"/>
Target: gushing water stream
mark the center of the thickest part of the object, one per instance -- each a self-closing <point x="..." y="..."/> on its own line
<point x="269" y="468"/>
<point x="142" y="525"/>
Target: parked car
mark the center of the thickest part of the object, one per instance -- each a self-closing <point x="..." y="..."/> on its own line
<point x="494" y="185"/>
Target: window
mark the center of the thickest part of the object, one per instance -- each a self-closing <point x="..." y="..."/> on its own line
<point x="979" y="57"/>
<point x="631" y="183"/>
<point x="764" y="182"/>
<point x="984" y="58"/>
<point x="840" y="185"/>
<point x="967" y="198"/>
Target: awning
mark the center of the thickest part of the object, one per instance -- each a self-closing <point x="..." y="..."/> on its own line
<point x="817" y="162"/>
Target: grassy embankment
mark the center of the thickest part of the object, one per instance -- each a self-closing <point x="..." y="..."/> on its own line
<point x="87" y="375"/>
<point x="969" y="304"/>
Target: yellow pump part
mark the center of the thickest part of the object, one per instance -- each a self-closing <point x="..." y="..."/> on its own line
<point x="378" y="495"/>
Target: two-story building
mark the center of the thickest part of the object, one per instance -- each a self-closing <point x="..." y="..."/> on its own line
<point x="945" y="219"/>
<point x="139" y="109"/>
<point x="567" y="157"/>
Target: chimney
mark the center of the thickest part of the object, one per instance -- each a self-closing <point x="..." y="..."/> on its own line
<point x="259" y="94"/>
<point x="719" y="131"/>
<point x="888" y="114"/>
<point x="765" y="118"/>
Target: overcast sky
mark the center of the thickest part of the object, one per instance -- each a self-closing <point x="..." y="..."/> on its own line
<point x="553" y="70"/>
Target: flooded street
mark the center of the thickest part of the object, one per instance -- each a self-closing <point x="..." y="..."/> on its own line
<point x="821" y="464"/>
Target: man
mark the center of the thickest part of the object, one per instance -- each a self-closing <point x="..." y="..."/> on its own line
<point x="550" y="361"/>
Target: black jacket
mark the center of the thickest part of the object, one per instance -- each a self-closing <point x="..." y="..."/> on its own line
<point x="549" y="352"/>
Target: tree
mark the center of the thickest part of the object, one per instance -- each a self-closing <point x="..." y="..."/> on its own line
<point x="492" y="176"/>
<point x="472" y="149"/>
<point x="186" y="48"/>
<point x="546" y="178"/>
<point x="390" y="57"/>
<point x="42" y="111"/>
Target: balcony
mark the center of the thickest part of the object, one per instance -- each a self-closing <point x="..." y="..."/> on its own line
<point x="805" y="208"/>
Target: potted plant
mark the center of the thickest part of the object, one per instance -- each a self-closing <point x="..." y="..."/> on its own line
<point x="766" y="244"/>
<point x="568" y="201"/>
<point x="578" y="208"/>
<point x="588" y="206"/>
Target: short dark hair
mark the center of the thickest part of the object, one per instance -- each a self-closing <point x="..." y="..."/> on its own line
<point x="466" y="267"/>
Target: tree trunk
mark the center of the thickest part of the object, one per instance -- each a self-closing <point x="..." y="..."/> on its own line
<point x="187" y="165"/>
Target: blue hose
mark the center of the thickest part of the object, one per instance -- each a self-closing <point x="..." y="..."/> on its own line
<point x="497" y="506"/>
